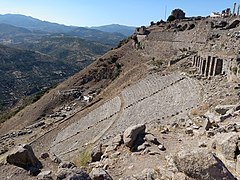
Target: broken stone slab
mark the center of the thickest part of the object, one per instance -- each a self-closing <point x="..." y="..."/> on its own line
<point x="201" y="164"/>
<point x="99" y="174"/>
<point x="206" y="124"/>
<point x="211" y="117"/>
<point x="23" y="156"/>
<point x="131" y="134"/>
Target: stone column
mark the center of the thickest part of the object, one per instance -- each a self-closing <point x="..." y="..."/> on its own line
<point x="218" y="67"/>
<point x="208" y="62"/>
<point x="234" y="7"/>
<point x="238" y="9"/>
<point x="211" y="68"/>
<point x="198" y="61"/>
<point x="194" y="61"/>
<point x="203" y="66"/>
<point x="200" y="65"/>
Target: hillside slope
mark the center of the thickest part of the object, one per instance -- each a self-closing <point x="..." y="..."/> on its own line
<point x="164" y="105"/>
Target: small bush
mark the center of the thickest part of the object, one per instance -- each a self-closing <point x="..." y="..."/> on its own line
<point x="234" y="70"/>
<point x="83" y="158"/>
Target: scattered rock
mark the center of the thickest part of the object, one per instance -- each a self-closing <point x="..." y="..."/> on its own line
<point x="165" y="130"/>
<point x="148" y="174"/>
<point x="151" y="138"/>
<point x="55" y="159"/>
<point x="202" y="145"/>
<point x="227" y="145"/>
<point x="189" y="131"/>
<point x="115" y="155"/>
<point x="45" y="175"/>
<point x="222" y="109"/>
<point x="44" y="156"/>
<point x="161" y="147"/>
<point x="96" y="153"/>
<point x="131" y="134"/>
<point x="201" y="164"/>
<point x="72" y="174"/>
<point x="23" y="156"/>
<point x="210" y="133"/>
<point x="68" y="165"/>
<point x="117" y="140"/>
<point x="99" y="174"/>
<point x="206" y="124"/>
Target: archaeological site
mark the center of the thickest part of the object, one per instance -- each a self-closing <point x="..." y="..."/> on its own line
<point x="164" y="104"/>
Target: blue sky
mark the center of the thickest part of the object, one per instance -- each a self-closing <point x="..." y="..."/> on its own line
<point x="101" y="12"/>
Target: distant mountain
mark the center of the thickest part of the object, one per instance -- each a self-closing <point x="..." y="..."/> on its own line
<point x="125" y="30"/>
<point x="97" y="35"/>
<point x="73" y="50"/>
<point x="9" y="29"/>
<point x="33" y="23"/>
<point x="45" y="28"/>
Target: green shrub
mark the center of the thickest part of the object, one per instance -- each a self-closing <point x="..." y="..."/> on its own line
<point x="234" y="70"/>
<point x="171" y="18"/>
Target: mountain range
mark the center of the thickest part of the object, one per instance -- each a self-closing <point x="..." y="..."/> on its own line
<point x="36" y="54"/>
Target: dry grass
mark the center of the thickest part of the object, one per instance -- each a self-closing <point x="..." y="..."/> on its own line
<point x="83" y="158"/>
<point x="200" y="110"/>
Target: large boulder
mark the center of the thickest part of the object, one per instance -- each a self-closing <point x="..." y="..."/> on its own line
<point x="227" y="145"/>
<point x="99" y="174"/>
<point x="74" y="173"/>
<point x="131" y="134"/>
<point x="23" y="156"/>
<point x="222" y="109"/>
<point x="201" y="164"/>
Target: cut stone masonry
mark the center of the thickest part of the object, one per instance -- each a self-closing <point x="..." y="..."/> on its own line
<point x="209" y="65"/>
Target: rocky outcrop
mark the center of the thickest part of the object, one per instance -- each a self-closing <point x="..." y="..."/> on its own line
<point x="201" y="164"/>
<point x="131" y="134"/>
<point x="23" y="156"/>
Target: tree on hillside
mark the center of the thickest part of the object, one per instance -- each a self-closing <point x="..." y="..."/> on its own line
<point x="178" y="14"/>
<point x="171" y="18"/>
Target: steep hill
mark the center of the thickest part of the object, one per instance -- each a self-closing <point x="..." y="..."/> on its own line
<point x="164" y="105"/>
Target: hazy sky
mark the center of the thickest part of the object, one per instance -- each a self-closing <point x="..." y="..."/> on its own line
<point x="101" y="12"/>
